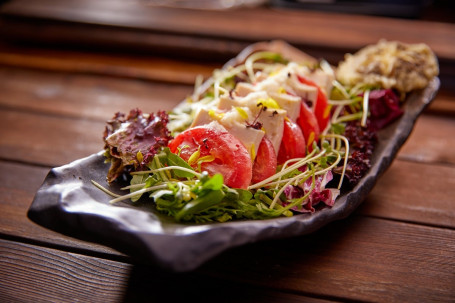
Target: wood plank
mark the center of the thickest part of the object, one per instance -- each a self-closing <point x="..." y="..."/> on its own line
<point x="245" y="24"/>
<point x="97" y="97"/>
<point x="428" y="202"/>
<point x="131" y="27"/>
<point x="27" y="60"/>
<point x="414" y="192"/>
<point x="338" y="264"/>
<point x="33" y="274"/>
<point x="362" y="258"/>
<point x="18" y="185"/>
<point x="47" y="140"/>
<point x="369" y="285"/>
<point x="443" y="104"/>
<point x="42" y="140"/>
<point x="432" y="140"/>
<point x="125" y="66"/>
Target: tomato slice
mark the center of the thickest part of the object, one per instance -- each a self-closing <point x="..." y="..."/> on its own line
<point x="322" y="107"/>
<point x="309" y="125"/>
<point x="293" y="142"/>
<point x="265" y="162"/>
<point x="229" y="157"/>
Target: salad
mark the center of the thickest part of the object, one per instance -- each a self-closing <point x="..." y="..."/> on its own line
<point x="273" y="133"/>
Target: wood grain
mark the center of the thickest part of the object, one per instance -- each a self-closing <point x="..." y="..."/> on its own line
<point x="18" y="185"/>
<point x="414" y="192"/>
<point x="85" y="60"/>
<point x="119" y="65"/>
<point x="69" y="277"/>
<point x="132" y="27"/>
<point x="42" y="140"/>
<point x="431" y="141"/>
<point x="360" y="259"/>
<point x="428" y="202"/>
<point x="35" y="103"/>
<point x="444" y="104"/>
<point x="246" y="24"/>
<point x="87" y="97"/>
<point x="73" y="277"/>
<point x="368" y="259"/>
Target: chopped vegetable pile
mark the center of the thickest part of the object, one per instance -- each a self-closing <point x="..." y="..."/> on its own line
<point x="264" y="138"/>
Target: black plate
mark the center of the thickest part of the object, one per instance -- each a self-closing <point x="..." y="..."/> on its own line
<point x="68" y="203"/>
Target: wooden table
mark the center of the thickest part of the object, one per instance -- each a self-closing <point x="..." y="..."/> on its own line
<point x="66" y="68"/>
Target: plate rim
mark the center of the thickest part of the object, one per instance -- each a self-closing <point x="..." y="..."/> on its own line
<point x="53" y="208"/>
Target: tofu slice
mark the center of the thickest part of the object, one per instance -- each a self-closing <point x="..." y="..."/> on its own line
<point x="236" y="126"/>
<point x="202" y="118"/>
<point x="291" y="104"/>
<point x="251" y="138"/>
<point x="227" y="103"/>
<point x="273" y="123"/>
<point x="323" y="79"/>
<point x="306" y="92"/>
<point x="242" y="89"/>
<point x="272" y="119"/>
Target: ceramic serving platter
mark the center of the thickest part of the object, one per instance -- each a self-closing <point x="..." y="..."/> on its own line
<point x="69" y="203"/>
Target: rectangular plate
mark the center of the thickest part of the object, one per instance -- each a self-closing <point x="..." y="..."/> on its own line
<point x="69" y="203"/>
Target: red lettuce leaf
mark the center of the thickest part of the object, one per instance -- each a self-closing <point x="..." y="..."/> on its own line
<point x="384" y="107"/>
<point x="132" y="142"/>
<point x="319" y="194"/>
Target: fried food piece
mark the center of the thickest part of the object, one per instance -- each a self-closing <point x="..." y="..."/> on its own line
<point x="390" y="64"/>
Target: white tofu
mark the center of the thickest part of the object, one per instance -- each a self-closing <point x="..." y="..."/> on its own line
<point x="274" y="83"/>
<point x="307" y="92"/>
<point x="226" y="103"/>
<point x="322" y="79"/>
<point x="202" y="118"/>
<point x="291" y="104"/>
<point x="235" y="111"/>
<point x="251" y="138"/>
<point x="272" y="119"/>
<point x="273" y="123"/>
<point x="236" y="125"/>
<point x="250" y="101"/>
<point x="233" y="116"/>
<point x="242" y="89"/>
<point x="233" y="123"/>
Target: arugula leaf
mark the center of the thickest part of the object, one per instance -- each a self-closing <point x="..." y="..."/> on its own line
<point x="172" y="159"/>
<point x="244" y="195"/>
<point x="199" y="204"/>
<point x="135" y="180"/>
<point x="213" y="183"/>
<point x="338" y="128"/>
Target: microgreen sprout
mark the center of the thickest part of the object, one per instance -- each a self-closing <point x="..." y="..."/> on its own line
<point x="366" y="98"/>
<point x="105" y="190"/>
<point x="183" y="190"/>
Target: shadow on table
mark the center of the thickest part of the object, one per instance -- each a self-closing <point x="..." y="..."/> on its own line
<point x="270" y="271"/>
